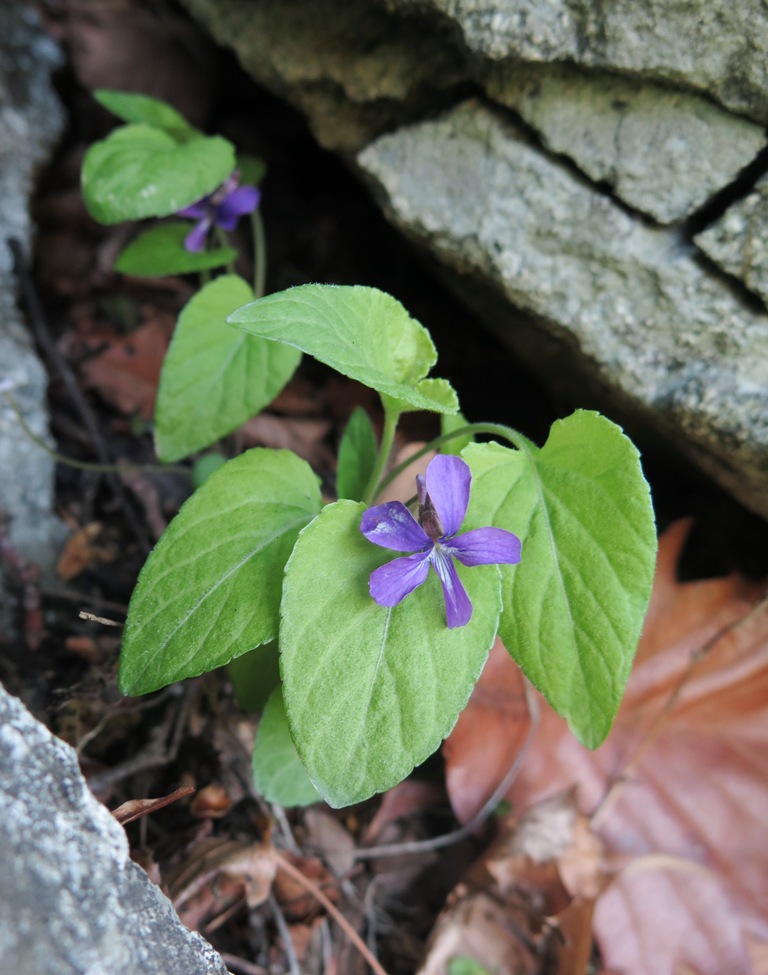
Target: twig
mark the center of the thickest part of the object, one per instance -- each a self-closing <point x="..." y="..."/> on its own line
<point x="84" y="465"/>
<point x="334" y="912"/>
<point x="57" y="362"/>
<point x="456" y="835"/>
<point x="285" y="934"/>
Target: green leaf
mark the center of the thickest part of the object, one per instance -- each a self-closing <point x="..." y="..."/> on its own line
<point x="139" y="172"/>
<point x="361" y="332"/>
<point x="357" y="456"/>
<point x="450" y="423"/>
<point x="371" y="691"/>
<point x="210" y="589"/>
<point x="205" y="466"/>
<point x="464" y="965"/>
<point x="254" y="676"/>
<point x="160" y="251"/>
<point x="252" y="169"/>
<point x="144" y="110"/>
<point x="277" y="770"/>
<point x="214" y="378"/>
<point x="574" y="606"/>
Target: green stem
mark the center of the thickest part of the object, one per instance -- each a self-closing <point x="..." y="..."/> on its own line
<point x="259" y="255"/>
<point x="223" y="241"/>
<point x="494" y="429"/>
<point x="84" y="465"/>
<point x="391" y="416"/>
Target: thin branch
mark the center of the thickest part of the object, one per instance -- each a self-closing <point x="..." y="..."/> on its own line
<point x="332" y="910"/>
<point x="285" y="934"/>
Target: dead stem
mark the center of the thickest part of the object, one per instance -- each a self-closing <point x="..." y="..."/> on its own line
<point x="334" y="912"/>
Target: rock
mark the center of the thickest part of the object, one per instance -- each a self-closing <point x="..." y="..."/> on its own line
<point x="71" y="900"/>
<point x="738" y="241"/>
<point x="671" y="342"/>
<point x="340" y="63"/>
<point x="714" y="46"/>
<point x="30" y="121"/>
<point x="662" y="151"/>
<point x="659" y="105"/>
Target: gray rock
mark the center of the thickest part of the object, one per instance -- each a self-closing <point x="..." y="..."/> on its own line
<point x="714" y="47"/>
<point x="738" y="241"/>
<point x="30" y="121"/>
<point x="663" y="152"/>
<point x="71" y="900"/>
<point x="649" y="325"/>
<point x="342" y="64"/>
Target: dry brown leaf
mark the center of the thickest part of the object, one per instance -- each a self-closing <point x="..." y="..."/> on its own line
<point x="134" y="808"/>
<point x="81" y="551"/>
<point x="331" y="839"/>
<point x="488" y="735"/>
<point x="681" y="780"/>
<point x="126" y="373"/>
<point x="513" y="912"/>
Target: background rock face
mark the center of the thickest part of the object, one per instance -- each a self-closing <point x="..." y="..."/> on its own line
<point x="30" y="121"/>
<point x="71" y="900"/>
<point x="604" y="138"/>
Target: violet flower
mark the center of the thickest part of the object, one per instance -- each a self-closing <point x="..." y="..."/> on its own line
<point x="221" y="208"/>
<point x="443" y="498"/>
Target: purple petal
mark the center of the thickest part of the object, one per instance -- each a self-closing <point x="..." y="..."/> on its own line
<point x="485" y="546"/>
<point x="391" y="525"/>
<point x="448" y="479"/>
<point x="198" y="211"/>
<point x="391" y="583"/>
<point x="195" y="239"/>
<point x="236" y="204"/>
<point x="458" y="608"/>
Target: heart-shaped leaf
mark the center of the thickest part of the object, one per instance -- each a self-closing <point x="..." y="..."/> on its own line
<point x="277" y="770"/>
<point x="160" y="251"/>
<point x="361" y="332"/>
<point x="210" y="590"/>
<point x="372" y="691"/>
<point x="139" y="171"/>
<point x="214" y="378"/>
<point x="574" y="606"/>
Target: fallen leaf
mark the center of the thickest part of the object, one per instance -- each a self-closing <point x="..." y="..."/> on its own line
<point x="211" y="802"/>
<point x="488" y="735"/>
<point x="135" y="808"/>
<point x="680" y="785"/>
<point x="127" y="372"/>
<point x="81" y="551"/>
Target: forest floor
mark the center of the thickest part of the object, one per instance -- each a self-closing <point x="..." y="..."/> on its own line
<point x="596" y="875"/>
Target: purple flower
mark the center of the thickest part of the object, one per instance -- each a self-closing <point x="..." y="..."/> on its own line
<point x="223" y="208"/>
<point x="443" y="498"/>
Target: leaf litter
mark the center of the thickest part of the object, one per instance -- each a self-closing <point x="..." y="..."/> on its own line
<point x="676" y="797"/>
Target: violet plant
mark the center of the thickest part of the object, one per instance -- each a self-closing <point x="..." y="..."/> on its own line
<point x="551" y="548"/>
